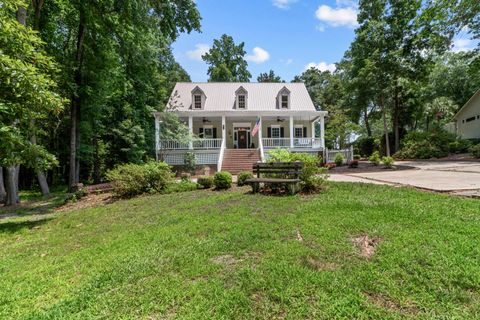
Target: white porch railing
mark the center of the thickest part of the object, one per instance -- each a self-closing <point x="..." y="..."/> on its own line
<point x="197" y="144"/>
<point x="307" y="143"/>
<point x="276" y="143"/>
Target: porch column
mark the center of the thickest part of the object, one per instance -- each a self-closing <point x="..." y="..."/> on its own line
<point x="291" y="132"/>
<point x="157" y="136"/>
<point x="260" y="124"/>
<point x="322" y="131"/>
<point x="313" y="132"/>
<point x="190" y="131"/>
<point x="224" y="131"/>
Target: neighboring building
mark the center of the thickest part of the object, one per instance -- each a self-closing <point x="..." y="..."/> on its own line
<point x="223" y="117"/>
<point x="467" y="119"/>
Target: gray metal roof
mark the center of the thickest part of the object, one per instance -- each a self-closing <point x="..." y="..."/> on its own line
<point x="220" y="96"/>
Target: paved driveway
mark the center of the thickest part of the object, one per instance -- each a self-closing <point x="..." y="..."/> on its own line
<point x="442" y="176"/>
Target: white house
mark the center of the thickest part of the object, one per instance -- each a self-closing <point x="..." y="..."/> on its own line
<point x="467" y="119"/>
<point x="223" y="117"/>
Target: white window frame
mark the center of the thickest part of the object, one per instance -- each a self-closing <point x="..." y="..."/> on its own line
<point x="277" y="127"/>
<point x="244" y="101"/>
<point x="195" y="96"/>
<point x="281" y="101"/>
<point x="298" y="126"/>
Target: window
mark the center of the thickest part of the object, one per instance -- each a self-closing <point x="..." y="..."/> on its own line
<point x="284" y="101"/>
<point x="208" y="132"/>
<point x="197" y="101"/>
<point x="470" y="119"/>
<point x="242" y="101"/>
<point x="298" y="132"/>
<point x="275" y="131"/>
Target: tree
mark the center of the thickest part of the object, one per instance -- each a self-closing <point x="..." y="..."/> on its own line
<point x="269" y="77"/>
<point x="27" y="96"/>
<point x="226" y="61"/>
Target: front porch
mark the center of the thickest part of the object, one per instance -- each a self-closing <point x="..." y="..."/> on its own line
<point x="213" y="133"/>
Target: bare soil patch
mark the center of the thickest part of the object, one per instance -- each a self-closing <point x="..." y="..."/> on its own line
<point x="366" y="245"/>
<point x="384" y="302"/>
<point x="320" y="265"/>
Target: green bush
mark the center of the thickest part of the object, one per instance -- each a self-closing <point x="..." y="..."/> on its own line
<point x="243" y="176"/>
<point x="206" y="182"/>
<point x="426" y="145"/>
<point x="475" y="151"/>
<point x="356" y="157"/>
<point x="222" y="180"/>
<point x="313" y="177"/>
<point x="189" y="162"/>
<point x="339" y="159"/>
<point x="388" y="162"/>
<point x="459" y="146"/>
<point x="375" y="158"/>
<point x="129" y="180"/>
<point x="181" y="186"/>
<point x="365" y="146"/>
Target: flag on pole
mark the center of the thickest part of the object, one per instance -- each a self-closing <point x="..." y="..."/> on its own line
<point x="256" y="127"/>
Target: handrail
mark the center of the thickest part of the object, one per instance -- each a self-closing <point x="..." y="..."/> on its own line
<point x="220" y="156"/>
<point x="197" y="144"/>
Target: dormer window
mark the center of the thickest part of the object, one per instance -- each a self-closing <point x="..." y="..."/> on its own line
<point x="242" y="101"/>
<point x="284" y="101"/>
<point x="197" y="101"/>
<point x="242" y="97"/>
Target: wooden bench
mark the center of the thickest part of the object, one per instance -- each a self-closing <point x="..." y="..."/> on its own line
<point x="290" y="170"/>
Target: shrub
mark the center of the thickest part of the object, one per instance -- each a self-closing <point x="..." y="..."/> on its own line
<point x="243" y="176"/>
<point x="353" y="164"/>
<point x="129" y="180"/>
<point x="222" y="180"/>
<point x="375" y="158"/>
<point x="475" y="151"/>
<point x="339" y="159"/>
<point x="426" y="145"/>
<point x="206" y="182"/>
<point x="388" y="162"/>
<point x="356" y="157"/>
<point x="181" y="186"/>
<point x="312" y="177"/>
<point x="365" y="145"/>
<point x="330" y="165"/>
<point x="189" y="162"/>
<point x="459" y="146"/>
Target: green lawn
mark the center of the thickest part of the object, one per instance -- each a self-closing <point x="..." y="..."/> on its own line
<point x="224" y="255"/>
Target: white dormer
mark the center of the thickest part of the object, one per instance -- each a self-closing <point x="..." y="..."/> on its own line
<point x="283" y="99"/>
<point x="198" y="98"/>
<point x="241" y="98"/>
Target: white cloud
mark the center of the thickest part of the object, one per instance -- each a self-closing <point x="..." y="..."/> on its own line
<point x="462" y="45"/>
<point x="259" y="55"/>
<point x="200" y="50"/>
<point x="337" y="17"/>
<point x="322" y="66"/>
<point x="283" y="4"/>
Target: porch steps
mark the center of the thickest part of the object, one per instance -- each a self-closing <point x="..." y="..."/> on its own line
<point x="238" y="160"/>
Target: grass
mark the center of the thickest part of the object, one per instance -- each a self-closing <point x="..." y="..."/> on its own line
<point x="232" y="255"/>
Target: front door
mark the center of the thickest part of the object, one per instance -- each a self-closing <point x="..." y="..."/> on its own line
<point x="242" y="139"/>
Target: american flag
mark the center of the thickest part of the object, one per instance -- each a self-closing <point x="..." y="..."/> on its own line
<point x="255" y="129"/>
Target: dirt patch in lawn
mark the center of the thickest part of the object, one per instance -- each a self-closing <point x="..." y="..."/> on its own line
<point x="384" y="302"/>
<point x="320" y="265"/>
<point x="366" y="245"/>
<point x="90" y="200"/>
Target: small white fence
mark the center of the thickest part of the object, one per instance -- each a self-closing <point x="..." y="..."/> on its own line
<point x="196" y="144"/>
<point x="329" y="155"/>
<point x="276" y="142"/>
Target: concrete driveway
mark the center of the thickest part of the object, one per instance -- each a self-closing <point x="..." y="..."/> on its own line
<point x="443" y="176"/>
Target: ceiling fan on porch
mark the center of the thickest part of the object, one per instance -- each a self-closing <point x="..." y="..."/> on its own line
<point x="280" y="119"/>
<point x="205" y="120"/>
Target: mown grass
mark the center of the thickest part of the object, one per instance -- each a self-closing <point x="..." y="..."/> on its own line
<point x="233" y="255"/>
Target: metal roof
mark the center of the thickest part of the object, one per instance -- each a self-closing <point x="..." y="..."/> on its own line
<point x="220" y="96"/>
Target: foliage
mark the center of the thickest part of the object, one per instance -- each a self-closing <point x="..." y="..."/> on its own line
<point x="129" y="180"/>
<point x="222" y="180"/>
<point x="226" y="61"/>
<point x="339" y="159"/>
<point x="388" y="162"/>
<point x="459" y="146"/>
<point x="206" y="182"/>
<point x="189" y="162"/>
<point x="269" y="77"/>
<point x="375" y="158"/>
<point x="182" y="186"/>
<point x="365" y="145"/>
<point x="475" y="151"/>
<point x="243" y="176"/>
<point x="356" y="157"/>
<point x="426" y="145"/>
<point x="313" y="176"/>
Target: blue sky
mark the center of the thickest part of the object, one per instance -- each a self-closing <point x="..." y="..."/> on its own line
<point x="286" y="36"/>
<point x="283" y="35"/>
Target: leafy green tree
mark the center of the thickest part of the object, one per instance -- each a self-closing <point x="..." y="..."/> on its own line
<point x="269" y="77"/>
<point x="226" y="61"/>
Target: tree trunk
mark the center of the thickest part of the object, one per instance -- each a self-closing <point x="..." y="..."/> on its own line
<point x="75" y="106"/>
<point x="367" y="123"/>
<point x="3" y="193"/>
<point x="396" y="115"/>
<point x="12" y="185"/>
<point x="385" y="127"/>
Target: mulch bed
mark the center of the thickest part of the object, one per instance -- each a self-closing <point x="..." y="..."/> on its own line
<point x="364" y="166"/>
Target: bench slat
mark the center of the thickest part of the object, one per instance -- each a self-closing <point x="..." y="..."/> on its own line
<point x="271" y="180"/>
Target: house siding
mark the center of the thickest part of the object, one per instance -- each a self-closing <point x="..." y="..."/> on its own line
<point x="469" y="129"/>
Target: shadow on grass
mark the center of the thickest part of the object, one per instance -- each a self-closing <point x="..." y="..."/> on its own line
<point x="15" y="226"/>
<point x="35" y="206"/>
